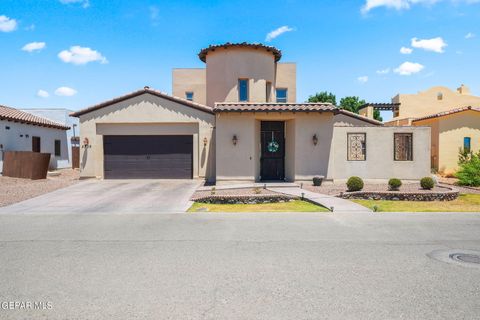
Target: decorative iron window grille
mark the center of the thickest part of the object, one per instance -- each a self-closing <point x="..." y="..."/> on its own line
<point x="357" y="146"/>
<point x="403" y="146"/>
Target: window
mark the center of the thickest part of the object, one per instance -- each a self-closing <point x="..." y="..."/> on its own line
<point x="36" y="144"/>
<point x="189" y="96"/>
<point x="58" y="148"/>
<point x="439" y="96"/>
<point x="281" y="95"/>
<point x="357" y="147"/>
<point x="268" y="93"/>
<point x="466" y="144"/>
<point x="242" y="89"/>
<point x="403" y="146"/>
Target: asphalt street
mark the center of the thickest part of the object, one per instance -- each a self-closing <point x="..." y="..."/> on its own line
<point x="238" y="266"/>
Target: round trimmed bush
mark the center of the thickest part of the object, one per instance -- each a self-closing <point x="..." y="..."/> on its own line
<point x="317" y="181"/>
<point x="394" y="184"/>
<point x="427" y="183"/>
<point x="354" y="184"/>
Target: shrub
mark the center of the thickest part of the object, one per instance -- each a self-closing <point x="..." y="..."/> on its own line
<point x="469" y="172"/>
<point x="394" y="184"/>
<point x="213" y="191"/>
<point x="257" y="190"/>
<point x="354" y="184"/>
<point x="427" y="183"/>
<point x="317" y="181"/>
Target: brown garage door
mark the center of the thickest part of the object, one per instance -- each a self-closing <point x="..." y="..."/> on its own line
<point x="148" y="157"/>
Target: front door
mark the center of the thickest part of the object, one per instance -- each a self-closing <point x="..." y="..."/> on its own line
<point x="272" y="160"/>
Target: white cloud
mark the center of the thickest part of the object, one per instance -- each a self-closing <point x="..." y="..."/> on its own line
<point x="34" y="46"/>
<point x="383" y="71"/>
<point x="362" y="79"/>
<point x="7" y="24"/>
<point x="30" y="27"/>
<point x="154" y="14"/>
<point x="81" y="55"/>
<point x="42" y="94"/>
<point x="469" y="35"/>
<point x="435" y="44"/>
<point x="405" y="4"/>
<point x="275" y="33"/>
<point x="83" y="3"/>
<point x="408" y="68"/>
<point x="405" y="50"/>
<point x="65" y="92"/>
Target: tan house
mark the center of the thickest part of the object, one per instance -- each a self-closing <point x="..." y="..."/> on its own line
<point x="237" y="120"/>
<point x="452" y="115"/>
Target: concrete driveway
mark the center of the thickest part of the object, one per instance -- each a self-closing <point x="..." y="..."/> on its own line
<point x="112" y="196"/>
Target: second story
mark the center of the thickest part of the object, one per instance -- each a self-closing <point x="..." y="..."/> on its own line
<point x="237" y="72"/>
<point x="432" y="101"/>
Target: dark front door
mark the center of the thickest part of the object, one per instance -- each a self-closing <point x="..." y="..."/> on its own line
<point x="36" y="144"/>
<point x="148" y="157"/>
<point x="272" y="160"/>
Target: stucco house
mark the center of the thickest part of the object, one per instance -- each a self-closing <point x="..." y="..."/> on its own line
<point x="23" y="131"/>
<point x="453" y="117"/>
<point x="237" y="119"/>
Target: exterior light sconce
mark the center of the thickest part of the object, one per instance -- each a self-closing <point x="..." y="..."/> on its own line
<point x="205" y="141"/>
<point x="86" y="143"/>
<point x="315" y="139"/>
<point x="234" y="140"/>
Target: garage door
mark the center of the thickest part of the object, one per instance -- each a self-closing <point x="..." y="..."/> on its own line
<point x="148" y="157"/>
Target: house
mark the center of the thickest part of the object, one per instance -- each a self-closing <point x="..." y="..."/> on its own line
<point x="22" y="131"/>
<point x="453" y="117"/>
<point x="238" y="120"/>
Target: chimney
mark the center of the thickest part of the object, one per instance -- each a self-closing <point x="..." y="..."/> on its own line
<point x="463" y="89"/>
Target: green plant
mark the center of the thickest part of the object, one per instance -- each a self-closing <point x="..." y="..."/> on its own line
<point x="394" y="184"/>
<point x="427" y="183"/>
<point x="354" y="184"/>
<point x="257" y="190"/>
<point x="469" y="172"/>
<point x="212" y="191"/>
<point x="317" y="181"/>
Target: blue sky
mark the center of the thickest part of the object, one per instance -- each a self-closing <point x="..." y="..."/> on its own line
<point x="102" y="49"/>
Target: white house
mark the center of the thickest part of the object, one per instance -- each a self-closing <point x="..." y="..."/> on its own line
<point x="22" y="131"/>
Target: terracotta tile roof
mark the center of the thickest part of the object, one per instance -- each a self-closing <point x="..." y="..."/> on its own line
<point x="272" y="107"/>
<point x="382" y="106"/>
<point x="357" y="116"/>
<point x="15" y="115"/>
<point x="446" y="113"/>
<point x="146" y="89"/>
<point x="203" y="53"/>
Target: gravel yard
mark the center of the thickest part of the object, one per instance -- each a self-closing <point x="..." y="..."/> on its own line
<point x="453" y="181"/>
<point x="335" y="189"/>
<point x="14" y="190"/>
<point x="234" y="192"/>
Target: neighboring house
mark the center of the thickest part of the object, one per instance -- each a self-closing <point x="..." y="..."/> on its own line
<point x="22" y="131"/>
<point x="452" y="115"/>
<point x="237" y="120"/>
<point x="61" y="115"/>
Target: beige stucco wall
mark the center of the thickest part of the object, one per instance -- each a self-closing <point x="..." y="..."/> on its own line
<point x="379" y="163"/>
<point x="449" y="132"/>
<point x="226" y="66"/>
<point x="147" y="115"/>
<point x="303" y="159"/>
<point x="190" y="80"/>
<point x="286" y="78"/>
<point x="426" y="103"/>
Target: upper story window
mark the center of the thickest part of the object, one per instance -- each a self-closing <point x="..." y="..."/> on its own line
<point x="268" y="91"/>
<point x="357" y="147"/>
<point x="189" y="96"/>
<point x="403" y="146"/>
<point x="281" y="95"/>
<point x="439" y="96"/>
<point x="242" y="89"/>
<point x="467" y="144"/>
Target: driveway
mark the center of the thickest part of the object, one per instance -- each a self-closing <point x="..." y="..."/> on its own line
<point x="112" y="196"/>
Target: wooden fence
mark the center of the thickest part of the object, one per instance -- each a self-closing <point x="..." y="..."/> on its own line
<point x="25" y="164"/>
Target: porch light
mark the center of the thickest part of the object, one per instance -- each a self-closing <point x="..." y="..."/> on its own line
<point x="315" y="139"/>
<point x="205" y="140"/>
<point x="234" y="140"/>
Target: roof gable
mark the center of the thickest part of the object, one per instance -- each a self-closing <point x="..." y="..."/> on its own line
<point x="12" y="114"/>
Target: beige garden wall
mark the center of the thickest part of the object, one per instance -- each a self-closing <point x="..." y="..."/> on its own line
<point x="147" y="115"/>
<point x="379" y="163"/>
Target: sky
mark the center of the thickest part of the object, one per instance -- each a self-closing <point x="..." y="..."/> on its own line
<point x="76" y="53"/>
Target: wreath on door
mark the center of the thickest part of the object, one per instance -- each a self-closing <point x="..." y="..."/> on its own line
<point x="273" y="145"/>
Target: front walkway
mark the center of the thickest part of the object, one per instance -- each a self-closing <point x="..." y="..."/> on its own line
<point x="330" y="202"/>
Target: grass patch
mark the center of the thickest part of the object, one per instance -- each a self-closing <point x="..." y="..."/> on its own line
<point x="291" y="206"/>
<point x="464" y="203"/>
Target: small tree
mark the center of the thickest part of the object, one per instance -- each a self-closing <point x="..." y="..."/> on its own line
<point x="323" y="96"/>
<point x="352" y="104"/>
<point x="469" y="172"/>
<point x="376" y="115"/>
